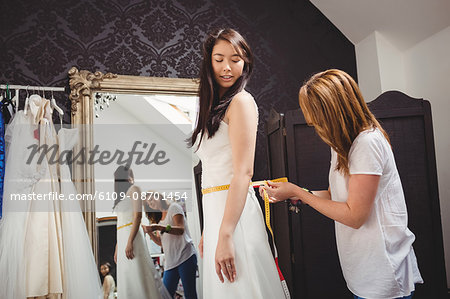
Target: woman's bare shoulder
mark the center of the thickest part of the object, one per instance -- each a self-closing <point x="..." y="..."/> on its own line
<point x="243" y="96"/>
<point x="242" y="101"/>
<point x="134" y="189"/>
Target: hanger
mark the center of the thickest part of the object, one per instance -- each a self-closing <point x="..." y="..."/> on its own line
<point x="2" y="96"/>
<point x="27" y="99"/>
<point x="57" y="108"/>
<point x="7" y="95"/>
<point x="15" y="99"/>
<point x="8" y="99"/>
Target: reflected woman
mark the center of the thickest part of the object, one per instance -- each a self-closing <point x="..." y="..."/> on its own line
<point x="108" y="281"/>
<point x="169" y="230"/>
<point x="136" y="273"/>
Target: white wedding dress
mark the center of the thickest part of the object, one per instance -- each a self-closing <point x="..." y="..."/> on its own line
<point x="80" y="268"/>
<point x="256" y="272"/>
<point x="136" y="278"/>
<point x="44" y="248"/>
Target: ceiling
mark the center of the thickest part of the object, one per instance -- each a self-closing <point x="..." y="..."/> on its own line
<point x="403" y="22"/>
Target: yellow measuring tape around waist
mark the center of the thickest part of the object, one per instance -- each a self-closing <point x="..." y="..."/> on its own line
<point x="267" y="218"/>
<point x="125" y="225"/>
<point x="253" y="184"/>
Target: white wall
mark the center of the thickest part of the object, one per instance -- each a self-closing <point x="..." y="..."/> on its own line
<point x="422" y="71"/>
<point x="427" y="70"/>
<point x="390" y="60"/>
<point x="380" y="66"/>
<point x="117" y="129"/>
<point x="368" y="67"/>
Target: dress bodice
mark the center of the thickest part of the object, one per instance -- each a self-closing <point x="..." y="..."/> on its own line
<point x="125" y="210"/>
<point x="215" y="154"/>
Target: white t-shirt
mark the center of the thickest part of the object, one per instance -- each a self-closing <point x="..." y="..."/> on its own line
<point x="177" y="248"/>
<point x="377" y="259"/>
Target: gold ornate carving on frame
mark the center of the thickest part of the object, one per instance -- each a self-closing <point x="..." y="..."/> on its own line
<point x="83" y="85"/>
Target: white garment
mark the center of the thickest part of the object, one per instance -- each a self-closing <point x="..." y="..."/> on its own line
<point x="377" y="259"/>
<point x="80" y="268"/>
<point x="43" y="249"/>
<point x="136" y="278"/>
<point x="177" y="249"/>
<point x="112" y="285"/>
<point x="47" y="251"/>
<point x="20" y="177"/>
<point x="256" y="273"/>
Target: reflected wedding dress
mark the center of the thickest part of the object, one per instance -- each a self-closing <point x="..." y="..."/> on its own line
<point x="256" y="273"/>
<point x="136" y="278"/>
<point x="44" y="246"/>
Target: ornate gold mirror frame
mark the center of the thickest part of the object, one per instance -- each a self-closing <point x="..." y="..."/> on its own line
<point x="83" y="85"/>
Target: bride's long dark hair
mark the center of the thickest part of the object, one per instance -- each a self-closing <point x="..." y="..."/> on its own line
<point x="122" y="183"/>
<point x="212" y="108"/>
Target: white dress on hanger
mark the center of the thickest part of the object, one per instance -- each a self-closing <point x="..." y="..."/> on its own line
<point x="80" y="268"/>
<point x="43" y="252"/>
<point x="256" y="272"/>
<point x="20" y="178"/>
<point x="136" y="278"/>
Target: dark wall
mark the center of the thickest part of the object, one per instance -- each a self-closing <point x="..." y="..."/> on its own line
<point x="41" y="40"/>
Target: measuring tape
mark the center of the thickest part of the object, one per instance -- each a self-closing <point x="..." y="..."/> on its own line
<point x="125" y="225"/>
<point x="267" y="218"/>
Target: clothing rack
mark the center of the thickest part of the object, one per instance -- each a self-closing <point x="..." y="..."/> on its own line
<point x="28" y="87"/>
<point x="18" y="88"/>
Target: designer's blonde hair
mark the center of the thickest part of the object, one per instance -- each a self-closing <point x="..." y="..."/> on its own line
<point x="332" y="102"/>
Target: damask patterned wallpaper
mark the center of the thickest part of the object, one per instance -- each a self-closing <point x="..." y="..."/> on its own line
<point x="41" y="40"/>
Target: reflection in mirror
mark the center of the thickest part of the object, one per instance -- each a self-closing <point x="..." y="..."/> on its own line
<point x="139" y="125"/>
<point x="148" y="133"/>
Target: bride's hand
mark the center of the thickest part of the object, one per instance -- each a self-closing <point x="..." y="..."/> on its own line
<point x="200" y="247"/>
<point x="278" y="191"/>
<point x="224" y="259"/>
<point x="129" y="251"/>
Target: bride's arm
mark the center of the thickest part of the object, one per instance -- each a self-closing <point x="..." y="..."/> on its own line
<point x="137" y="216"/>
<point x="242" y="129"/>
<point x="242" y="117"/>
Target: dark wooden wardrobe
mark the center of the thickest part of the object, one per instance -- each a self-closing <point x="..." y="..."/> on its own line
<point x="306" y="240"/>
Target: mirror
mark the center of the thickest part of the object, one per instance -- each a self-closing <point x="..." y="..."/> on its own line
<point x="115" y="113"/>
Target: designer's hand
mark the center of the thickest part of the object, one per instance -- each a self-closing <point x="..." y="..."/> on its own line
<point x="153" y="227"/>
<point x="278" y="191"/>
<point x="146" y="228"/>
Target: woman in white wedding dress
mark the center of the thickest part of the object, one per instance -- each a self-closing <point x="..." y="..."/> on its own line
<point x="136" y="273"/>
<point x="238" y="262"/>
<point x="44" y="247"/>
